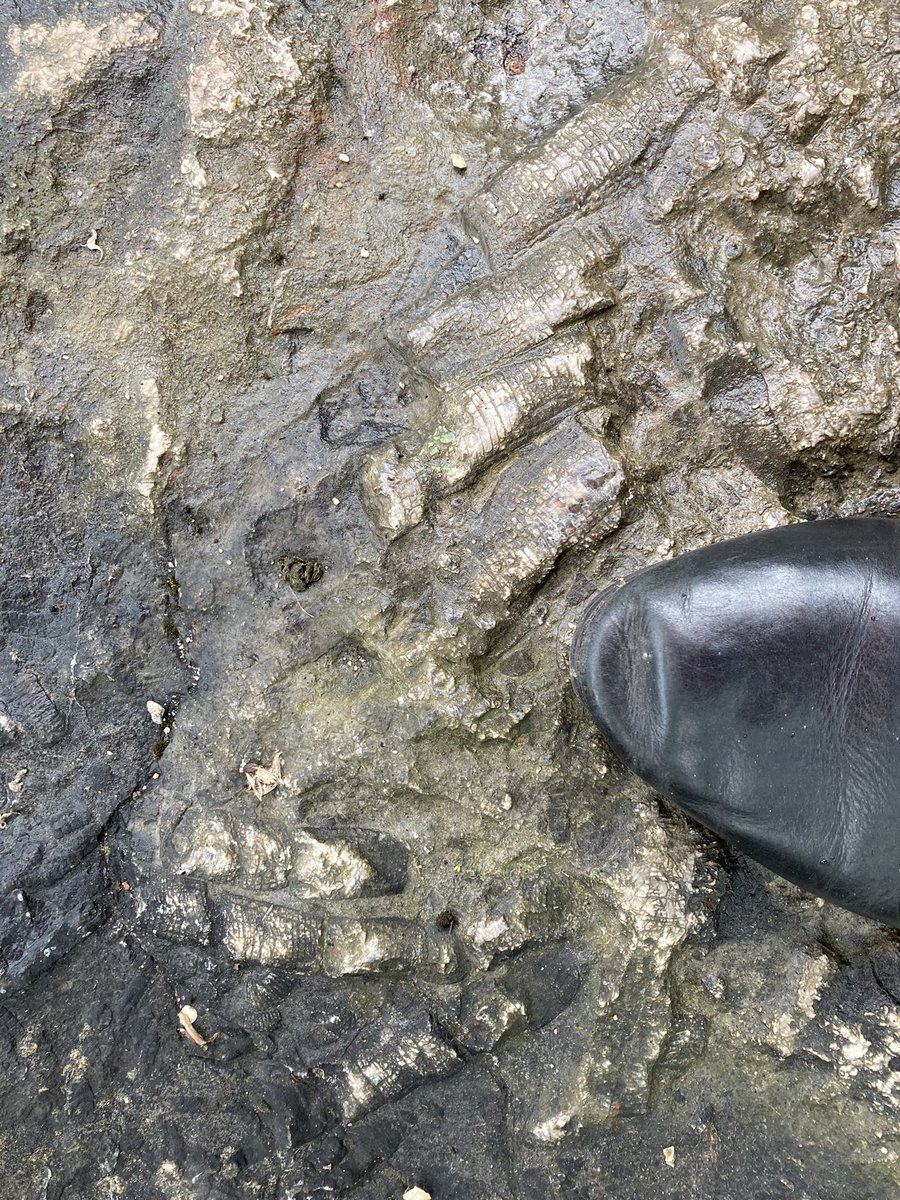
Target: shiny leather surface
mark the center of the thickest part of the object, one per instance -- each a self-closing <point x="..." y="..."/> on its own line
<point x="756" y="683"/>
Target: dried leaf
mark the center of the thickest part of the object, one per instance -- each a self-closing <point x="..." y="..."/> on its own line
<point x="262" y="780"/>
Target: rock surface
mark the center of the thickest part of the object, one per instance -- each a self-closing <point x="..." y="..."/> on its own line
<point x="316" y="880"/>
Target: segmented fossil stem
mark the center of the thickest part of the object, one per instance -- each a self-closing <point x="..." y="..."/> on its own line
<point x="390" y="1060"/>
<point x="309" y="942"/>
<point x="479" y="421"/>
<point x="506" y="314"/>
<point x="270" y="934"/>
<point x="267" y="855"/>
<point x="541" y="509"/>
<point x="568" y="174"/>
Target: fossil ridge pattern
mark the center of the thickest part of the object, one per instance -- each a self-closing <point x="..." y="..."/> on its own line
<point x="317" y="445"/>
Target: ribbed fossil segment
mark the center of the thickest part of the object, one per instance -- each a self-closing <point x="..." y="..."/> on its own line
<point x="569" y="172"/>
<point x="625" y="1050"/>
<point x="561" y="495"/>
<point x="271" y="855"/>
<point x="255" y="1001"/>
<point x="26" y="709"/>
<point x="361" y="862"/>
<point x="386" y="945"/>
<point x="205" y="846"/>
<point x="393" y="491"/>
<point x="484" y="417"/>
<point x="622" y="1010"/>
<point x="308" y="942"/>
<point x="506" y="314"/>
<point x="478" y="422"/>
<point x="266" y="855"/>
<point x="253" y="931"/>
<point x="513" y="916"/>
<point x="172" y="908"/>
<point x="390" y="1059"/>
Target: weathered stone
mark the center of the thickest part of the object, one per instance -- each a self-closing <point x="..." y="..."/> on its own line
<point x="319" y="445"/>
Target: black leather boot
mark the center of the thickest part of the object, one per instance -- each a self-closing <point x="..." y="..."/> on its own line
<point x="756" y="683"/>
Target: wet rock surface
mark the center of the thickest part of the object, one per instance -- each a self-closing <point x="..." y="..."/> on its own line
<point x="317" y="444"/>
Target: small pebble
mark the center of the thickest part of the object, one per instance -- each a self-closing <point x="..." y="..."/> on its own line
<point x="458" y="161"/>
<point x="344" y="157"/>
<point x="363" y="253"/>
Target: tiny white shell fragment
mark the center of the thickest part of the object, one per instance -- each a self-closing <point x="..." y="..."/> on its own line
<point x="156" y="711"/>
<point x="16" y="784"/>
<point x="186" y="1018"/>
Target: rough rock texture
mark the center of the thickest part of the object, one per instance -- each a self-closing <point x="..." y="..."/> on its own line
<point x="316" y="445"/>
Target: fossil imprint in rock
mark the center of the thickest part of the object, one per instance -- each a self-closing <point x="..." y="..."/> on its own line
<point x="756" y="683"/>
<point x="600" y="327"/>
